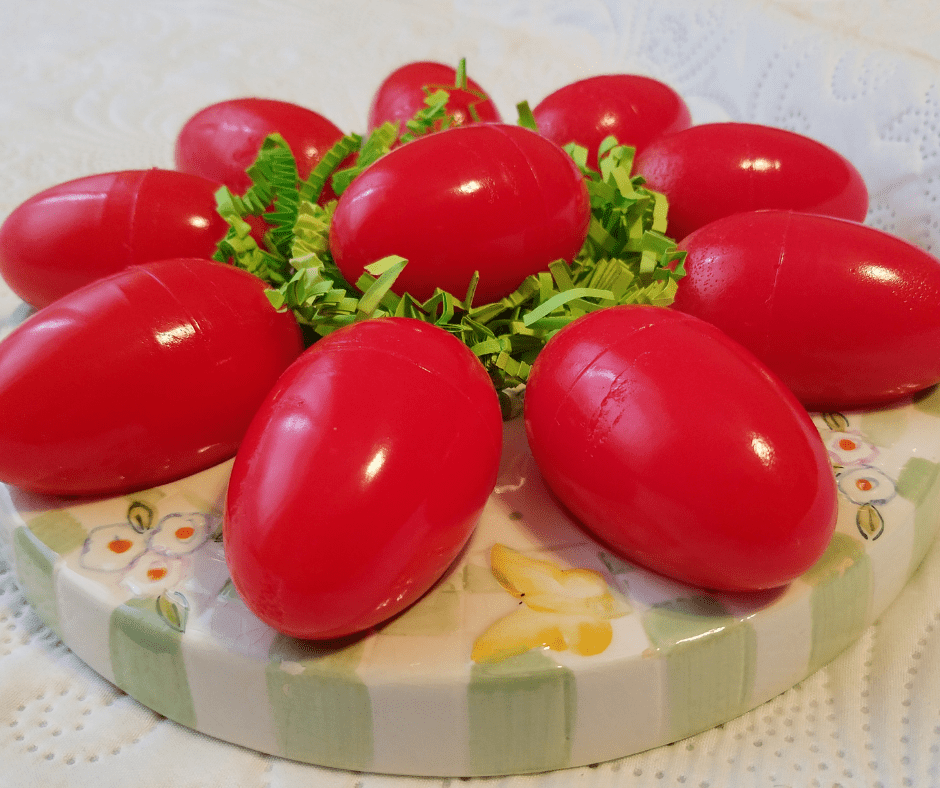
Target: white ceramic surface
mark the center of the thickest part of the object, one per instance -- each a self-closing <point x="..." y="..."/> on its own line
<point x="105" y="85"/>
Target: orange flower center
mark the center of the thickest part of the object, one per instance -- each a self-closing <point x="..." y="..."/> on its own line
<point x="864" y="484"/>
<point x="118" y="545"/>
<point x="847" y="444"/>
<point x="156" y="573"/>
<point x="184" y="532"/>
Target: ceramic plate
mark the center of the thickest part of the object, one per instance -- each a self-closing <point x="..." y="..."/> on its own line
<point x="471" y="680"/>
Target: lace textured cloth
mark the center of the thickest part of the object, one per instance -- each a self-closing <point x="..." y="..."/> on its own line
<point x="105" y="85"/>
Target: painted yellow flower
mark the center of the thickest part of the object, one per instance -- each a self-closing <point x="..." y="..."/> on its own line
<point x="560" y="609"/>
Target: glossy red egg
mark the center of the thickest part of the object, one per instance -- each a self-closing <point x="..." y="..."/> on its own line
<point x="222" y="140"/>
<point x="675" y="446"/>
<point x="402" y="94"/>
<point x="361" y="477"/>
<point x="846" y="315"/>
<point x="139" y="378"/>
<point x="633" y="108"/>
<point x="76" y="232"/>
<point x="492" y="198"/>
<point x="717" y="169"/>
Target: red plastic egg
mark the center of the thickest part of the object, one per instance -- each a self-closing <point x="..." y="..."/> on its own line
<point x="717" y="169"/>
<point x="492" y="198"/>
<point x="76" y="232"/>
<point x="402" y="94"/>
<point x="846" y="315"/>
<point x="221" y="141"/>
<point x="139" y="378"/>
<point x="361" y="477"/>
<point x="633" y="108"/>
<point x="674" y="446"/>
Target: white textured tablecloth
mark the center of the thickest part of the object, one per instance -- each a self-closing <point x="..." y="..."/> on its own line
<point x="102" y="85"/>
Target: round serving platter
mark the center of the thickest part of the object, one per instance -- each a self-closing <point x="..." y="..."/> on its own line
<point x="539" y="650"/>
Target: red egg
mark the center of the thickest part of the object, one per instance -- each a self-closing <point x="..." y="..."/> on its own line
<point x="221" y="141"/>
<point x="846" y="315"/>
<point x="76" y="232"/>
<point x="402" y="94"/>
<point x="492" y="198"/>
<point x="361" y="477"/>
<point x="674" y="445"/>
<point x="140" y="378"/>
<point x="717" y="169"/>
<point x="633" y="108"/>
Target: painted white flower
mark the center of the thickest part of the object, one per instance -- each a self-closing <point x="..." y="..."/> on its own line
<point x="849" y="448"/>
<point x="866" y="485"/>
<point x="179" y="534"/>
<point x="153" y="574"/>
<point x="112" y="548"/>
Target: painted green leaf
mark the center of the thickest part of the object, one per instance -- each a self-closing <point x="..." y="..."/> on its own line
<point x="173" y="608"/>
<point x="140" y="515"/>
<point x="869" y="520"/>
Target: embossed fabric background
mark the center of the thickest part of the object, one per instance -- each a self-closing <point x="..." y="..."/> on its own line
<point x="104" y="85"/>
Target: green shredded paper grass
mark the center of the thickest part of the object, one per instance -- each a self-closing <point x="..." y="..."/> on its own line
<point x="626" y="259"/>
